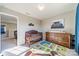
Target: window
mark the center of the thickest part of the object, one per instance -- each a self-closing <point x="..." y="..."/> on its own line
<point x="2" y="29"/>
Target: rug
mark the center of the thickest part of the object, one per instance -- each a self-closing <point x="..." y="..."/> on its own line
<point x="48" y="47"/>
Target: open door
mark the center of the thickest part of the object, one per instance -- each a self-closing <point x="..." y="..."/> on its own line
<point x="77" y="31"/>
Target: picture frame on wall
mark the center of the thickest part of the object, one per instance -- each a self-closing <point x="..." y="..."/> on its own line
<point x="57" y="24"/>
<point x="31" y="24"/>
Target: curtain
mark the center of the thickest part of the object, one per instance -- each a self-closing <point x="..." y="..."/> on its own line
<point x="77" y="31"/>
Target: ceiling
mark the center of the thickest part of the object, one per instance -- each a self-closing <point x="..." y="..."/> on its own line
<point x="50" y="9"/>
<point x="8" y="19"/>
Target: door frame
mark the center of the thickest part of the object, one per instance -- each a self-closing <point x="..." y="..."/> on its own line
<point x="17" y="18"/>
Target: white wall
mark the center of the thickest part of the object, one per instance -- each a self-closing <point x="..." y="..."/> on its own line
<point x="22" y="24"/>
<point x="69" y="23"/>
<point x="23" y="27"/>
<point x="69" y="20"/>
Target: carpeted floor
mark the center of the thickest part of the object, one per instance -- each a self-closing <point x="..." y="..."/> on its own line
<point x="46" y="46"/>
<point x="12" y="43"/>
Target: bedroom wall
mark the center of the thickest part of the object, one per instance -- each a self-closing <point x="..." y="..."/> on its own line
<point x="69" y="22"/>
<point x="22" y="24"/>
<point x="43" y="25"/>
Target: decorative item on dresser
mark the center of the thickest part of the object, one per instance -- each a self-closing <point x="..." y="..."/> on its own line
<point x="32" y="36"/>
<point x="59" y="38"/>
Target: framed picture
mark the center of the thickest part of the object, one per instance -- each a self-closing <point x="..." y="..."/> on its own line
<point x="31" y="24"/>
<point x="57" y="24"/>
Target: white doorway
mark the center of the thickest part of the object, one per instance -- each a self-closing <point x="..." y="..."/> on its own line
<point x="8" y="31"/>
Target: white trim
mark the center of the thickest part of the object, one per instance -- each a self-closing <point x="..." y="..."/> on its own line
<point x="8" y="14"/>
<point x="17" y="21"/>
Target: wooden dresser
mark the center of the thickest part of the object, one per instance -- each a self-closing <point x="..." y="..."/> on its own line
<point x="59" y="38"/>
